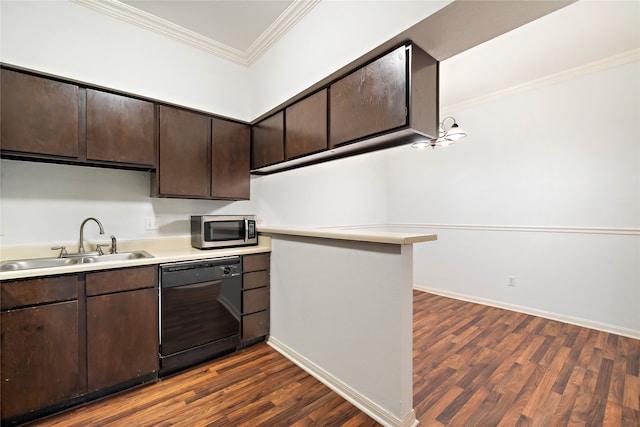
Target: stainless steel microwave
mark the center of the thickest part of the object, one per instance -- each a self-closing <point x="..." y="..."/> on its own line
<point x="221" y="231"/>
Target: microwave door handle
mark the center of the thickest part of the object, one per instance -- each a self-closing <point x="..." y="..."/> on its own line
<point x="246" y="230"/>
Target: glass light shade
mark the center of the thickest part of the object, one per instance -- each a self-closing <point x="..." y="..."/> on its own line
<point x="455" y="133"/>
<point x="421" y="145"/>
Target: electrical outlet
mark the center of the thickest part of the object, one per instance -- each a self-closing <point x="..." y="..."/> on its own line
<point x="151" y="223"/>
<point x="512" y="281"/>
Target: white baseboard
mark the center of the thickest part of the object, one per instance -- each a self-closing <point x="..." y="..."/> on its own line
<point x="370" y="408"/>
<point x="586" y="323"/>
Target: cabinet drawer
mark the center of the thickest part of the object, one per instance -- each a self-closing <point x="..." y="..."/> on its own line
<point x="256" y="279"/>
<point x="255" y="262"/>
<point x="255" y="300"/>
<point x="105" y="282"/>
<point x="255" y="325"/>
<point x="22" y="293"/>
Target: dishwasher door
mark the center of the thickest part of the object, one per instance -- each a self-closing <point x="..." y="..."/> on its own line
<point x="199" y="320"/>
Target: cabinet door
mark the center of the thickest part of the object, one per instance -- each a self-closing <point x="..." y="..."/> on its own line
<point x="119" y="129"/>
<point x="184" y="167"/>
<point x="122" y="337"/>
<point x="267" y="144"/>
<point x="306" y="126"/>
<point x="39" y="116"/>
<point x="371" y="100"/>
<point x="230" y="158"/>
<point x="39" y="360"/>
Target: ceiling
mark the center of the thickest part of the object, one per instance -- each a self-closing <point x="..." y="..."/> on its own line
<point x="243" y="30"/>
<point x="240" y="31"/>
<point x="237" y="24"/>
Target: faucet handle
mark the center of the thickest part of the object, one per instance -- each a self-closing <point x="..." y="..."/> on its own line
<point x="99" y="247"/>
<point x="62" y="249"/>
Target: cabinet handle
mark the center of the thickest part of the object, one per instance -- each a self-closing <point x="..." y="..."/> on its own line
<point x="198" y="285"/>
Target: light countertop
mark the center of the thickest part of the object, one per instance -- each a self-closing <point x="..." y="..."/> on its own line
<point x="362" y="233"/>
<point x="179" y="248"/>
<point x="163" y="251"/>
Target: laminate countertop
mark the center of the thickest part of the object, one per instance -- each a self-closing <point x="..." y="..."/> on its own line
<point x="163" y="251"/>
<point x="362" y="233"/>
<point x="179" y="248"/>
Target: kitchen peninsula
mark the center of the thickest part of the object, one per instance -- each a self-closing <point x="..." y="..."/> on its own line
<point x="340" y="303"/>
<point x="341" y="308"/>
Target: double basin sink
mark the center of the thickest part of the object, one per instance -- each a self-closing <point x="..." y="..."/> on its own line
<point x="28" y="264"/>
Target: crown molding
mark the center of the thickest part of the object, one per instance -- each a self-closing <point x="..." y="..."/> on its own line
<point x="291" y="15"/>
<point x="124" y="12"/>
<point x="623" y="58"/>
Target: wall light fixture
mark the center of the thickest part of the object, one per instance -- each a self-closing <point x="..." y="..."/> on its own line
<point x="445" y="137"/>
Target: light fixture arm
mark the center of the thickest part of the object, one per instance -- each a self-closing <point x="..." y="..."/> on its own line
<point x="443" y="130"/>
<point x="446" y="135"/>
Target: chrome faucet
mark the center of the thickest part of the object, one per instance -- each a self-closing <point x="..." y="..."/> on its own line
<point x="81" y="246"/>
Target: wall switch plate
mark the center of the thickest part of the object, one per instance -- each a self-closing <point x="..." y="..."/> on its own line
<point x="151" y="223"/>
<point x="512" y="281"/>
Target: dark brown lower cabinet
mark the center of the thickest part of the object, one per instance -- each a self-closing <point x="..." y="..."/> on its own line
<point x="39" y="357"/>
<point x="122" y="326"/>
<point x="71" y="338"/>
<point x="122" y="341"/>
<point x="255" y="297"/>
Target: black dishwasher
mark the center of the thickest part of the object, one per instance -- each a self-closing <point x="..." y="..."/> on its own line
<point x="200" y="307"/>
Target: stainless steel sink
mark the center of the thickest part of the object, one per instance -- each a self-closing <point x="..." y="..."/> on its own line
<point x="123" y="256"/>
<point x="28" y="264"/>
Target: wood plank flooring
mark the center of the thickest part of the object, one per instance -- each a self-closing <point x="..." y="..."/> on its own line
<point x="473" y="366"/>
<point x="476" y="365"/>
<point x="254" y="387"/>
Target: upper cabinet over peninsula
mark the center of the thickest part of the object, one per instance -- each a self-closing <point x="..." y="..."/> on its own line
<point x="390" y="101"/>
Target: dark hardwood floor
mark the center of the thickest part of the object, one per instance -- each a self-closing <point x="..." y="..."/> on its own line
<point x="476" y="365"/>
<point x="473" y="366"/>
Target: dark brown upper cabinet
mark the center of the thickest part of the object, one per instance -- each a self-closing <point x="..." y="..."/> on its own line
<point x="120" y="129"/>
<point x="389" y="101"/>
<point x="306" y="126"/>
<point x="48" y="119"/>
<point x="370" y="100"/>
<point x="39" y="116"/>
<point x="184" y="169"/>
<point x="267" y="141"/>
<point x="201" y="157"/>
<point x="230" y="158"/>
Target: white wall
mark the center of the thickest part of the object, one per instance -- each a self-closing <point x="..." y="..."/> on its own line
<point x="564" y="154"/>
<point x="342" y="310"/>
<point x="545" y="188"/>
<point x="73" y="41"/>
<point x="45" y="203"/>
<point x="69" y="40"/>
<point x="332" y="35"/>
<point x="345" y="191"/>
